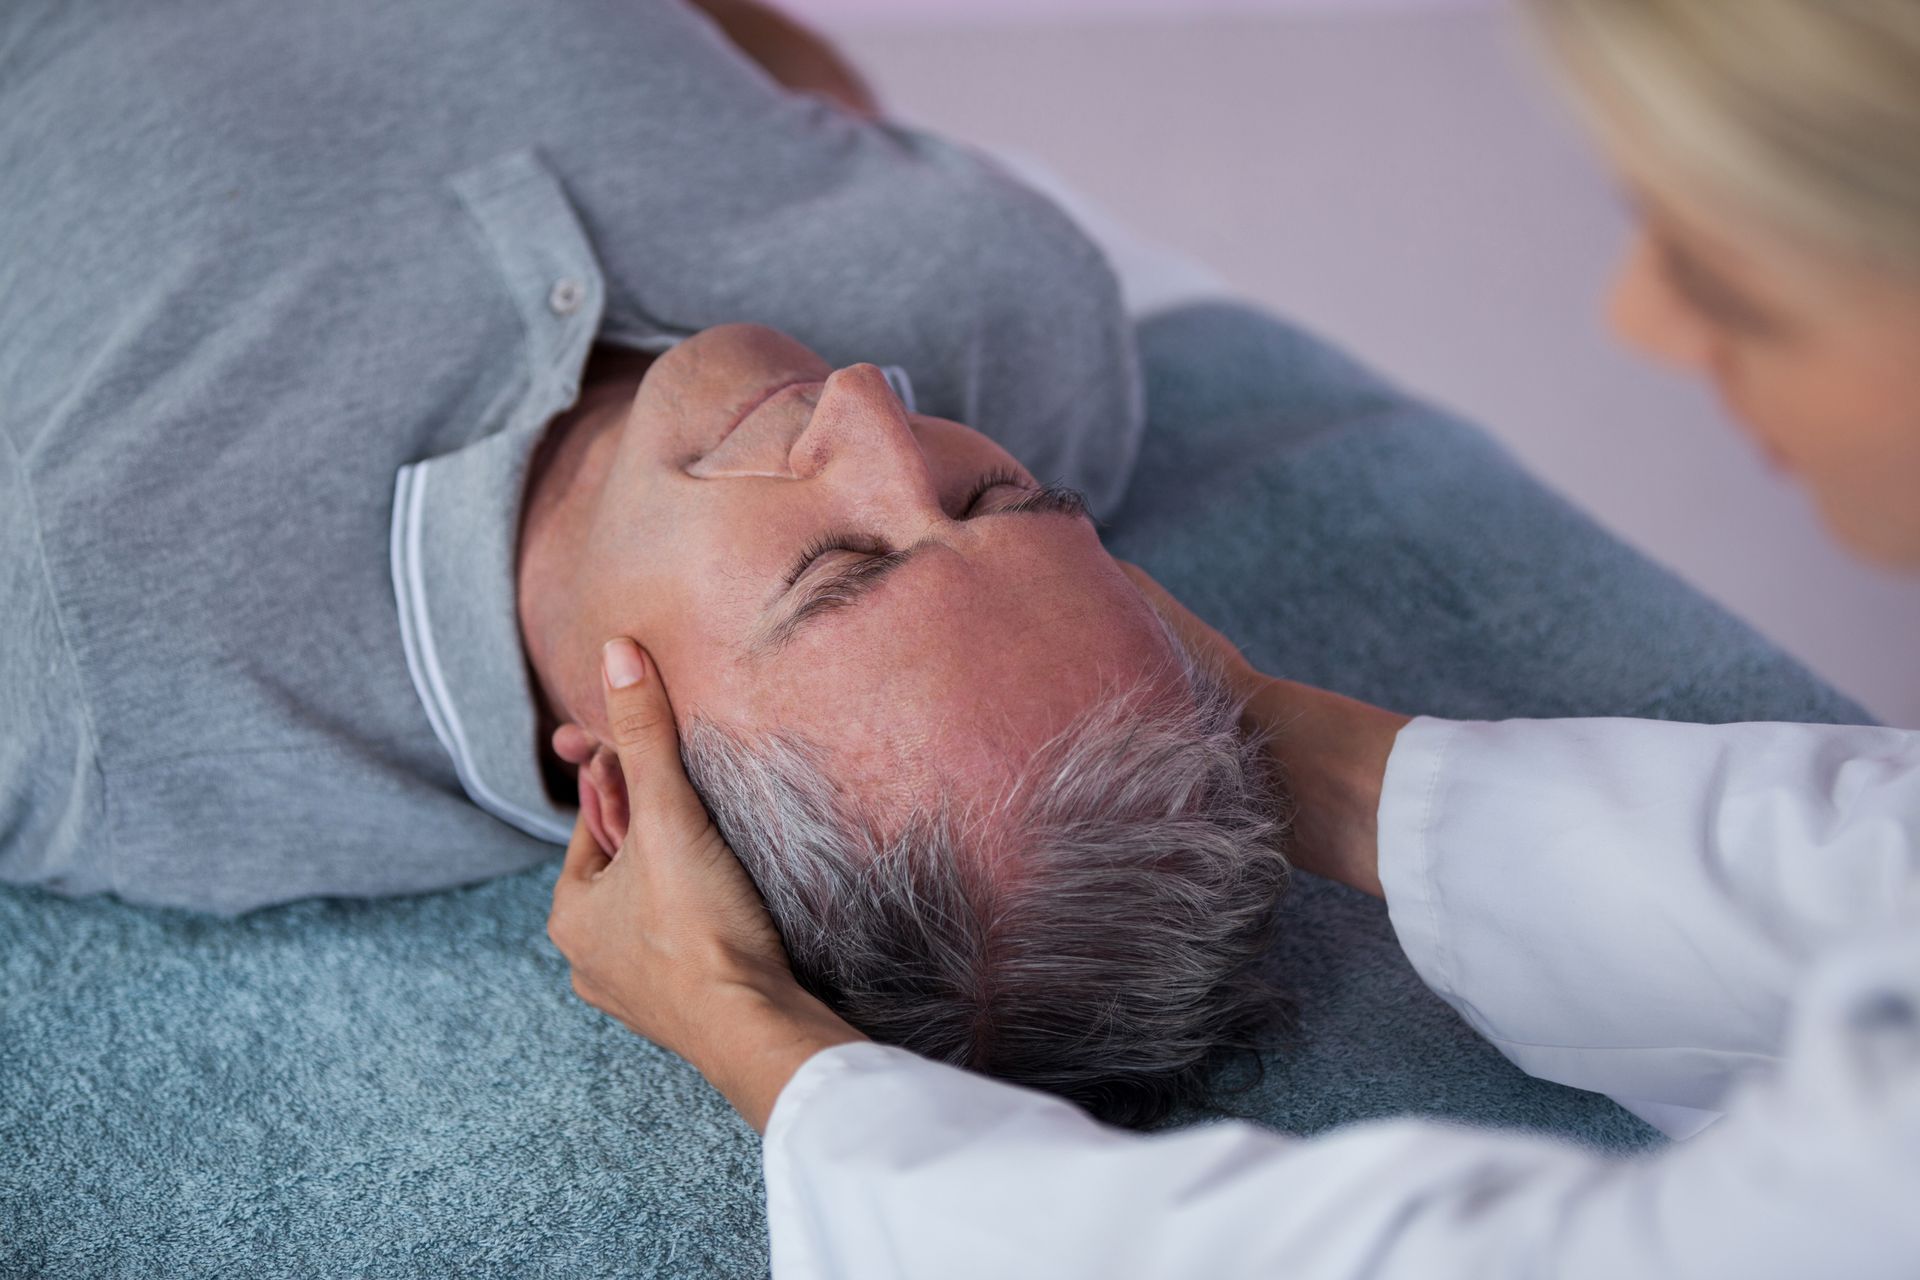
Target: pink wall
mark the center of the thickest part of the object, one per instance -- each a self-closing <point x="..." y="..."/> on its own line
<point x="1002" y="11"/>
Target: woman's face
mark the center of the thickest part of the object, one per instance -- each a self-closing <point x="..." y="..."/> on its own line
<point x="1820" y="363"/>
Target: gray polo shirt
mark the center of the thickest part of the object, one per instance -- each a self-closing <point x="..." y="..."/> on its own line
<point x="287" y="296"/>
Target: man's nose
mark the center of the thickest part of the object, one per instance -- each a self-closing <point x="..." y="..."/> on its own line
<point x="859" y="432"/>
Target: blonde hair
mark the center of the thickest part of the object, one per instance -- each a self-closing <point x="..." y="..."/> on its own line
<point x="1802" y="113"/>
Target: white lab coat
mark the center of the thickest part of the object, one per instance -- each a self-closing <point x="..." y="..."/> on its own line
<point x="1718" y="926"/>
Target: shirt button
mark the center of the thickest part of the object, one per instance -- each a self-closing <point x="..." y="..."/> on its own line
<point x="566" y="297"/>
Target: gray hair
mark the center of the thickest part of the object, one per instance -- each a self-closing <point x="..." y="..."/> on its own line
<point x="1111" y="963"/>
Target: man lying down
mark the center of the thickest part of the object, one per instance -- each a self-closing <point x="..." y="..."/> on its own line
<point x="364" y="367"/>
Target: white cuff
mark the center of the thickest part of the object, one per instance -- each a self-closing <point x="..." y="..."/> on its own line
<point x="795" y="1255"/>
<point x="1409" y="793"/>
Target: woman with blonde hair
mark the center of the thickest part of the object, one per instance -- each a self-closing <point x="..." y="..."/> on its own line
<point x="1717" y="926"/>
<point x="1772" y="151"/>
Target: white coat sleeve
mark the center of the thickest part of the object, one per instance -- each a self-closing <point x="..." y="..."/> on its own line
<point x="880" y="1164"/>
<point x="1627" y="905"/>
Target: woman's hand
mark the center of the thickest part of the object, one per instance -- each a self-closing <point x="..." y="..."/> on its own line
<point x="1332" y="750"/>
<point x="1207" y="646"/>
<point x="668" y="934"/>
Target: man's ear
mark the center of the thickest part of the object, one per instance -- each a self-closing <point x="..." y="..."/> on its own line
<point x="603" y="799"/>
<point x="573" y="744"/>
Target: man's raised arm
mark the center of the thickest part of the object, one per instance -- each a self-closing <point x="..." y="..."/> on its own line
<point x="795" y="55"/>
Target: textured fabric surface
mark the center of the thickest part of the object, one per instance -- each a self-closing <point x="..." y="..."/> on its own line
<point x="408" y="1087"/>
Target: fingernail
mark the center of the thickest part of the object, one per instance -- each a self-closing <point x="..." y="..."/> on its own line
<point x="622" y="660"/>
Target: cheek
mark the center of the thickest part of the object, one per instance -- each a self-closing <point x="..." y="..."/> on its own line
<point x="649" y="580"/>
<point x="1791" y="397"/>
<point x="1761" y="396"/>
<point x="1825" y="415"/>
<point x="693" y="626"/>
<point x="1849" y="432"/>
<point x="1863" y="466"/>
<point x="957" y="455"/>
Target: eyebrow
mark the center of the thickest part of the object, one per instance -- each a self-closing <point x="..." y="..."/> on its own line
<point x="855" y="582"/>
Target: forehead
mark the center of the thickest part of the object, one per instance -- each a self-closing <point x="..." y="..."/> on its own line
<point x="956" y="668"/>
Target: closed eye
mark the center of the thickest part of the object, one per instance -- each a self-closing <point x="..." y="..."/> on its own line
<point x="868" y="561"/>
<point x="1053" y="499"/>
<point x="986" y="485"/>
<point x="1709" y="293"/>
<point x="819" y="548"/>
<point x="845" y="584"/>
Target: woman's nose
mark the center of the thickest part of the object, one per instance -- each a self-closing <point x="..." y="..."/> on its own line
<point x="1646" y="314"/>
<point x="860" y="431"/>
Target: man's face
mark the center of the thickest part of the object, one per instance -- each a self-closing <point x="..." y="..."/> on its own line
<point x="800" y="554"/>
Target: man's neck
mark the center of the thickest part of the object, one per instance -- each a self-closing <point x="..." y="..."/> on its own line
<point x="564" y="480"/>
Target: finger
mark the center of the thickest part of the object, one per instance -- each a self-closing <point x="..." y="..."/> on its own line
<point x="585" y="858"/>
<point x="658" y="792"/>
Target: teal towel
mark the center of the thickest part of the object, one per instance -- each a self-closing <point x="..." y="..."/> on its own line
<point x="408" y="1087"/>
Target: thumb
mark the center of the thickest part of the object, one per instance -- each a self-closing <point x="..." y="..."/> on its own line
<point x="659" y="797"/>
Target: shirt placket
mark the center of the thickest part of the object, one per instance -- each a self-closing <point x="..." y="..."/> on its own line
<point x="549" y="269"/>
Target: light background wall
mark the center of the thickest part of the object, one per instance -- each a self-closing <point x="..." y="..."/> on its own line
<point x="1396" y="174"/>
